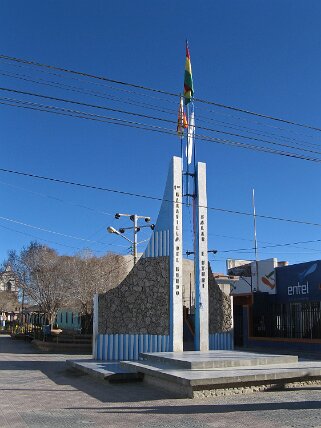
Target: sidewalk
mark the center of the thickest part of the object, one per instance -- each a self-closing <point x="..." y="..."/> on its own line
<point x="37" y="391"/>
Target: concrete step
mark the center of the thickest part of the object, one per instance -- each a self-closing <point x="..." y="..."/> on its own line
<point x="216" y="359"/>
<point x="110" y="371"/>
<point x="190" y="382"/>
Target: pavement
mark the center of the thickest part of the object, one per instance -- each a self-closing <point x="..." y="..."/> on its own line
<point x="38" y="391"/>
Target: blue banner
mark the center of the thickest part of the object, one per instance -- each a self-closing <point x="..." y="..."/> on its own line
<point x="300" y="282"/>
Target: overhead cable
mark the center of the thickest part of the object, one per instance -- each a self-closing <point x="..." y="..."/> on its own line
<point x="145" y="88"/>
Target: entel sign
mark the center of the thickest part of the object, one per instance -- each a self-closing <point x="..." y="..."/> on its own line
<point x="299" y="289"/>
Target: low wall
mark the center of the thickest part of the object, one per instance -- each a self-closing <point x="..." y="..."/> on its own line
<point x="115" y="347"/>
<point x="219" y="306"/>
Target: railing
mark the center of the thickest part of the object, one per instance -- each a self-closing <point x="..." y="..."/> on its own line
<point x="293" y="321"/>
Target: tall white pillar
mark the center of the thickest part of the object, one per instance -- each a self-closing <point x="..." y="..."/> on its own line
<point x="95" y="326"/>
<point x="201" y="340"/>
<point x="176" y="265"/>
<point x="167" y="240"/>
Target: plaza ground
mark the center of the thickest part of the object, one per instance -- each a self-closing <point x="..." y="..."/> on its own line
<point x="38" y="391"/>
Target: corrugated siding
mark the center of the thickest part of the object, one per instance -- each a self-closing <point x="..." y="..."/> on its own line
<point x="117" y="347"/>
<point x="221" y="341"/>
<point x="158" y="244"/>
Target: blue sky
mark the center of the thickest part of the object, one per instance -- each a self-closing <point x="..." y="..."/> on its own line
<point x="260" y="56"/>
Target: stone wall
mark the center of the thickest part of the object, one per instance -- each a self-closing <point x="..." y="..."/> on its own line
<point x="188" y="283"/>
<point x="219" y="305"/>
<point x="140" y="303"/>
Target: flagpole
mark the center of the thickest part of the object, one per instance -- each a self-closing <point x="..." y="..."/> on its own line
<point x="194" y="146"/>
<point x="187" y="156"/>
<point x="182" y="130"/>
<point x="255" y="241"/>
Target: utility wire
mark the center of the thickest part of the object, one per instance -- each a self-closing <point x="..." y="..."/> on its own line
<point x="136" y="103"/>
<point x="159" y="91"/>
<point x="189" y="230"/>
<point x="154" y="198"/>
<point x="138" y="93"/>
<point x="57" y="233"/>
<point x="145" y="116"/>
<point x="263" y="242"/>
<point x="287" y="244"/>
<point x="148" y="127"/>
<point x="56" y="199"/>
<point x="44" y="240"/>
<point x="97" y="94"/>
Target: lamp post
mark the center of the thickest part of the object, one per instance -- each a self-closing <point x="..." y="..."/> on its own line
<point x="188" y="253"/>
<point x="136" y="228"/>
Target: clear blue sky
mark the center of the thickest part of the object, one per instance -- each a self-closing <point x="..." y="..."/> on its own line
<point x="261" y="56"/>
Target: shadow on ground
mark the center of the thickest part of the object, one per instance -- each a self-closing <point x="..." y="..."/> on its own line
<point x="21" y="356"/>
<point x="209" y="408"/>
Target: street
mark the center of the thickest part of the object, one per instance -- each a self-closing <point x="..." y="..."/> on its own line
<point x="38" y="391"/>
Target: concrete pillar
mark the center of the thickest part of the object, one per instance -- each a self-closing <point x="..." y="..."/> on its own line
<point x="201" y="341"/>
<point x="95" y="326"/>
<point x="166" y="240"/>
<point x="176" y="265"/>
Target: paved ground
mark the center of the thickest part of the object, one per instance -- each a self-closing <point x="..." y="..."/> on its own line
<point x="38" y="391"/>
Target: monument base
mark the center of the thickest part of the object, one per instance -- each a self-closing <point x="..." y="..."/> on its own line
<point x="201" y="374"/>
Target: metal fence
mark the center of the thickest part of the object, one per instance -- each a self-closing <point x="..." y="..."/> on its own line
<point x="293" y="321"/>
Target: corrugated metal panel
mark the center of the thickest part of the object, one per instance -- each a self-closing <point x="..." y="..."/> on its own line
<point x="221" y="341"/>
<point x="116" y="347"/>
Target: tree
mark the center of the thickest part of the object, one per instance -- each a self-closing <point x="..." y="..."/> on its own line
<point x="89" y="275"/>
<point x="52" y="281"/>
<point x="41" y="273"/>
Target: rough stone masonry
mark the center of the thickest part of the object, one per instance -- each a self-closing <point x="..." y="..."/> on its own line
<point x="140" y="303"/>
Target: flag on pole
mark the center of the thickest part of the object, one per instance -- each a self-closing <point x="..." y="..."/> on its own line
<point x="190" y="135"/>
<point x="182" y="120"/>
<point x="188" y="78"/>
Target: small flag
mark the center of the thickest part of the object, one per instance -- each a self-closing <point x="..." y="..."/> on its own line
<point x="188" y="78"/>
<point x="190" y="135"/>
<point x="182" y="120"/>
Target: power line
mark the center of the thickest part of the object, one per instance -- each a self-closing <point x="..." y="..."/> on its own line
<point x="154" y="198"/>
<point x="84" y="115"/>
<point x="153" y="107"/>
<point x="256" y="131"/>
<point x="86" y="104"/>
<point x="264" y="242"/>
<point x="58" y="233"/>
<point x="64" y="245"/>
<point x="56" y="199"/>
<point x="223" y="236"/>
<point x="97" y="94"/>
<point x="42" y="239"/>
<point x="145" y="116"/>
<point x="148" y="127"/>
<point x="287" y="244"/>
<point x="159" y="91"/>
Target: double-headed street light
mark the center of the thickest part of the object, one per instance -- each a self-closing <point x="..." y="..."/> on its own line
<point x="136" y="228"/>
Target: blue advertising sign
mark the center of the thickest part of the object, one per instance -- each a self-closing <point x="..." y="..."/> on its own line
<point x="300" y="282"/>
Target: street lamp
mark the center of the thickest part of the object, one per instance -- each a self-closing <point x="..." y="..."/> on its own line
<point x="134" y="218"/>
<point x="188" y="253"/>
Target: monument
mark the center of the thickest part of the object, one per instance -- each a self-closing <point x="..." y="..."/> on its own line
<point x="145" y="312"/>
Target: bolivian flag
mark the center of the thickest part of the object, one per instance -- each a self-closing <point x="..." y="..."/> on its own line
<point x="182" y="120"/>
<point x="188" y="78"/>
